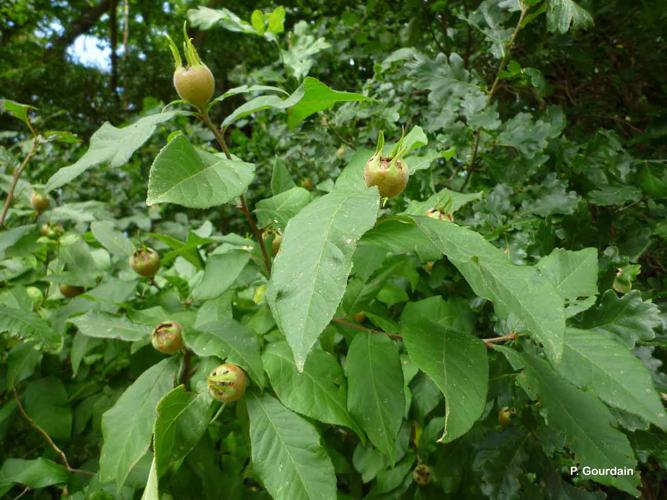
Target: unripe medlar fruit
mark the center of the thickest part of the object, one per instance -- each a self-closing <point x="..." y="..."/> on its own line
<point x="46" y="230"/>
<point x="389" y="173"/>
<point x="504" y="416"/>
<point x="145" y="261"/>
<point x="70" y="291"/>
<point x="195" y="82"/>
<point x="422" y="474"/>
<point x="39" y="202"/>
<point x="167" y="338"/>
<point x="227" y="383"/>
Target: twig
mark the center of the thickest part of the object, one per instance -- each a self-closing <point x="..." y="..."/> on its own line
<point x="354" y="326"/>
<point x="15" y="179"/>
<point x="503" y="338"/>
<point x="46" y="436"/>
<point x="186" y="369"/>
<point x="23" y="493"/>
<point x="492" y="91"/>
<point x="204" y="117"/>
<point x="154" y="283"/>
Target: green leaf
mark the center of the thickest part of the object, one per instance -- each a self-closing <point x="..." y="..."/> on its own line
<point x="287" y="453"/>
<point x="317" y="97"/>
<point x="302" y="50"/>
<point x="262" y="103"/>
<point x="21" y="363"/>
<point x="37" y="473"/>
<point x="257" y="21"/>
<point x="231" y="341"/>
<point x="318" y="392"/>
<point x="517" y="290"/>
<point x="281" y="180"/>
<point x="587" y="424"/>
<point x="206" y="18"/>
<point x="182" y="420"/>
<point x="574" y="274"/>
<point x="128" y="426"/>
<point x="445" y="200"/>
<point x="310" y="273"/>
<point x="9" y="237"/>
<point x="28" y="325"/>
<point x="16" y="109"/>
<point x="603" y="366"/>
<point x="110" y="145"/>
<point x="151" y="491"/>
<point x="47" y="403"/>
<point x="220" y="273"/>
<point x="375" y="394"/>
<point x="80" y="266"/>
<point x="277" y="20"/>
<point x="415" y="139"/>
<point x="111" y="239"/>
<point x="628" y="319"/>
<point x="102" y="325"/>
<point x="279" y="209"/>
<point x="562" y="14"/>
<point x="194" y="178"/>
<point x="441" y="345"/>
<point x="311" y="97"/>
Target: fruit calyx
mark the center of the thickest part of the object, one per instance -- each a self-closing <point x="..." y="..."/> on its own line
<point x="422" y="474"/>
<point x="167" y="337"/>
<point x="194" y="82"/>
<point x="389" y="173"/>
<point x="227" y="383"/>
<point x="145" y="261"/>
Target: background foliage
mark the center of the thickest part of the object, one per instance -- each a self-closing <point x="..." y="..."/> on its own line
<point x="499" y="322"/>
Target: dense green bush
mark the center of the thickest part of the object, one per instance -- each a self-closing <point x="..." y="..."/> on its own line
<point x="215" y="301"/>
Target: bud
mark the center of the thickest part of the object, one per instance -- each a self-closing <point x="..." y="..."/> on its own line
<point x="227" y="383"/>
<point x="39" y="202"/>
<point x="166" y="337"/>
<point x="389" y="173"/>
<point x="145" y="262"/>
<point x="70" y="291"/>
<point x="275" y="244"/>
<point x="422" y="474"/>
<point x="195" y="82"/>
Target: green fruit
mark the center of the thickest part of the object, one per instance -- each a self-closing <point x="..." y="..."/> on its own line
<point x="46" y="231"/>
<point x="389" y="173"/>
<point x="195" y="84"/>
<point x="390" y="176"/>
<point x="39" y="202"/>
<point x="422" y="474"/>
<point x="70" y="291"/>
<point x="145" y="262"/>
<point x="167" y="337"/>
<point x="227" y="383"/>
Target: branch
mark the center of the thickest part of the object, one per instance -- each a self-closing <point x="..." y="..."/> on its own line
<point x="86" y="20"/>
<point x="503" y="338"/>
<point x="46" y="436"/>
<point x="204" y="117"/>
<point x="492" y="91"/>
<point x="361" y="328"/>
<point x="15" y="180"/>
